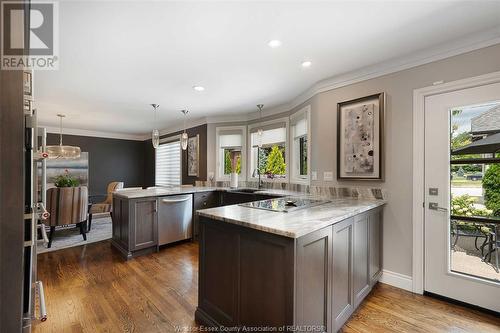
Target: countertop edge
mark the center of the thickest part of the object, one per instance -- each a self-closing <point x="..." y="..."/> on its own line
<point x="320" y="224"/>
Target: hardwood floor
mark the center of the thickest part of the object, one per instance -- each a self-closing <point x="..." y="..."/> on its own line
<point x="91" y="289"/>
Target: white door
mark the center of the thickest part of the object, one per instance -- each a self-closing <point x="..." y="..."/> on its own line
<point x="454" y="268"/>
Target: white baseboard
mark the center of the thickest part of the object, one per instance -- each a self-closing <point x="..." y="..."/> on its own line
<point x="396" y="280"/>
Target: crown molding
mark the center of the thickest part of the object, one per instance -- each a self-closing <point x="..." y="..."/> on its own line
<point x="97" y="134"/>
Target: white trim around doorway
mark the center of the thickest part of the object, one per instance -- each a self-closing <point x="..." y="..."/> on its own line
<point x="419" y="96"/>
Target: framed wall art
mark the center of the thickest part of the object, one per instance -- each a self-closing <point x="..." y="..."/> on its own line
<point x="360" y="138"/>
<point x="193" y="156"/>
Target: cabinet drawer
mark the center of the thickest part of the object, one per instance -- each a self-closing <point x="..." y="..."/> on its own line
<point x="205" y="200"/>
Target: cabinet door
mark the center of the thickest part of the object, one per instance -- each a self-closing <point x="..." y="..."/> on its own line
<point x="375" y="230"/>
<point x="218" y="272"/>
<point x="342" y="255"/>
<point x="202" y="201"/>
<point x="145" y="227"/>
<point x="313" y="286"/>
<point x="117" y="219"/>
<point x="361" y="278"/>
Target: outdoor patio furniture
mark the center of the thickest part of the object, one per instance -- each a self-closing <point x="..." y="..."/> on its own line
<point x="463" y="228"/>
<point x="493" y="245"/>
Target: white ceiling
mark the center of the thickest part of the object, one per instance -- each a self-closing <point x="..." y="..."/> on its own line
<point x="118" y="57"/>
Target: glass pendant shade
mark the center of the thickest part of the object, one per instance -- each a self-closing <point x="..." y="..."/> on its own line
<point x="155" y="138"/>
<point x="184" y="136"/>
<point x="60" y="150"/>
<point x="259" y="137"/>
<point x="184" y="141"/>
<point x="260" y="131"/>
<point x="155" y="135"/>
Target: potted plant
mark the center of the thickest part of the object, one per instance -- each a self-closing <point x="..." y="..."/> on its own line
<point x="66" y="180"/>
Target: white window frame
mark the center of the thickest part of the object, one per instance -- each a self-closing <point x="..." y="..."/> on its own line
<point x="294" y="171"/>
<point x="219" y="164"/>
<point x="285" y="120"/>
<point x="168" y="140"/>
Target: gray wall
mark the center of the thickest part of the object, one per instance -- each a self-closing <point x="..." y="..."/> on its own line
<point x="397" y="230"/>
<point x="109" y="160"/>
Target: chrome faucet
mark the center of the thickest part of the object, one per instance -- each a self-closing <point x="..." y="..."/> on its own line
<point x="255" y="173"/>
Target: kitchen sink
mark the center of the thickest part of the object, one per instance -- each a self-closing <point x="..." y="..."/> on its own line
<point x="244" y="190"/>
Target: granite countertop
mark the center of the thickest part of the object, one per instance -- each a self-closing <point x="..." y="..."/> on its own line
<point x="158" y="192"/>
<point x="163" y="191"/>
<point x="293" y="224"/>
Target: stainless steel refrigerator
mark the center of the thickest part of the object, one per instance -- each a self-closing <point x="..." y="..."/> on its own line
<point x="34" y="208"/>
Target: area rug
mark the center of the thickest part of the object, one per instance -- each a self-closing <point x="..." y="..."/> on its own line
<point x="69" y="237"/>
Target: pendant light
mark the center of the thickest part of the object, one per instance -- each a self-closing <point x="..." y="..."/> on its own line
<point x="260" y="131"/>
<point x="155" y="135"/>
<point x="184" y="136"/>
<point x="61" y="151"/>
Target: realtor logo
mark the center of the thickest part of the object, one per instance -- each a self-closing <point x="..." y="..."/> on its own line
<point x="33" y="45"/>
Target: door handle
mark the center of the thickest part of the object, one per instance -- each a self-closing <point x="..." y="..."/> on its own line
<point x="175" y="200"/>
<point x="434" y="206"/>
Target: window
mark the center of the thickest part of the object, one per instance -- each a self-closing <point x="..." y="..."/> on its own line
<point x="299" y="128"/>
<point x="231" y="142"/>
<point x="168" y="164"/>
<point x="268" y="151"/>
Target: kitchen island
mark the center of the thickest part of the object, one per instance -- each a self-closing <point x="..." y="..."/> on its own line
<point x="138" y="214"/>
<point x="303" y="270"/>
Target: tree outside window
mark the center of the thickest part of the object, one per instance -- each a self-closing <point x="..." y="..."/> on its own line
<point x="227" y="162"/>
<point x="272" y="161"/>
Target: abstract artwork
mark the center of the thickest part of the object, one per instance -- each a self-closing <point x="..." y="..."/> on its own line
<point x="193" y="156"/>
<point x="359" y="138"/>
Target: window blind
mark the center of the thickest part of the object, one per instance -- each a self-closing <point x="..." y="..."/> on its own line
<point x="299" y="128"/>
<point x="270" y="137"/>
<point x="168" y="164"/>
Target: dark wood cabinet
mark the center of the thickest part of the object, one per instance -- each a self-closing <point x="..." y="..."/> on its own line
<point x="135" y="225"/>
<point x="203" y="200"/>
<point x="245" y="276"/>
<point x="253" y="278"/>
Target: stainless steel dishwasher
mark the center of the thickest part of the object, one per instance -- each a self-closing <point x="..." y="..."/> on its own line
<point x="175" y="218"/>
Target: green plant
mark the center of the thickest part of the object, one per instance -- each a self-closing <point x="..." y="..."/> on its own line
<point x="491" y="186"/>
<point x="463" y="205"/>
<point x="66" y="180"/>
<point x="228" y="165"/>
<point x="275" y="162"/>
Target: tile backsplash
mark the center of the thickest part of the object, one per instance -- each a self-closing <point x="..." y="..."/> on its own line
<point x="324" y="191"/>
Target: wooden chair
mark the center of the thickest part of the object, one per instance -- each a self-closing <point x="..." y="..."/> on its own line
<point x="105" y="206"/>
<point x="67" y="205"/>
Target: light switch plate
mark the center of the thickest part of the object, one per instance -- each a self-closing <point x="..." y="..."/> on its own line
<point x="328" y="175"/>
<point x="314" y="175"/>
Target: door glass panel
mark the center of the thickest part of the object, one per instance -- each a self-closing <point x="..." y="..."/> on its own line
<point x="475" y="190"/>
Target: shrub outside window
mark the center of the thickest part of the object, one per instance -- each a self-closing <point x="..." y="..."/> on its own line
<point x="229" y="140"/>
<point x="268" y="151"/>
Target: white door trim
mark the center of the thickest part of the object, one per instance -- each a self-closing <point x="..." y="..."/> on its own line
<point x="419" y="96"/>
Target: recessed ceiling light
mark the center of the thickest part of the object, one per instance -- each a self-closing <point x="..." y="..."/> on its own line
<point x="306" y="64"/>
<point x="198" y="88"/>
<point x="274" y="43"/>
